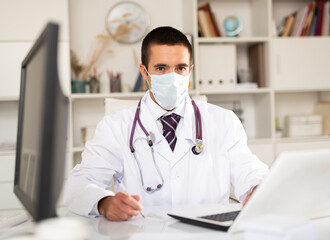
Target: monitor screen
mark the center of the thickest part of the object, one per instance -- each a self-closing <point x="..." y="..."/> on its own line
<point x="42" y="129"/>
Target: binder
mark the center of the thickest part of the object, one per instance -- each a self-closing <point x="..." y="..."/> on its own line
<point x="217" y="67"/>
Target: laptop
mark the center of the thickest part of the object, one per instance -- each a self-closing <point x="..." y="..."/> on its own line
<point x="298" y="185"/>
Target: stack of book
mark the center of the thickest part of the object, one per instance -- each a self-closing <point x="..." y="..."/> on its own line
<point x="310" y="20"/>
<point x="207" y="22"/>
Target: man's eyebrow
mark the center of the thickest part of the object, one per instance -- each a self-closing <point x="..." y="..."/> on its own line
<point x="161" y="65"/>
<point x="182" y="65"/>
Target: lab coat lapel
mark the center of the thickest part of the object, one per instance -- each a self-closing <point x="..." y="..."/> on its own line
<point x="185" y="138"/>
<point x="160" y="143"/>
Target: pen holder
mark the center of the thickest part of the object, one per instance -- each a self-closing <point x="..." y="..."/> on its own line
<point x="78" y="86"/>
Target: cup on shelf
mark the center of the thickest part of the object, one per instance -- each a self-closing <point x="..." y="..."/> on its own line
<point x="78" y="86"/>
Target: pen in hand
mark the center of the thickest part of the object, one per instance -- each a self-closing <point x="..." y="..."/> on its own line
<point x="123" y="188"/>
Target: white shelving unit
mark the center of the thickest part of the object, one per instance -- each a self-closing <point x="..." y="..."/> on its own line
<point x="20" y="24"/>
<point x="296" y="69"/>
<point x="260" y="106"/>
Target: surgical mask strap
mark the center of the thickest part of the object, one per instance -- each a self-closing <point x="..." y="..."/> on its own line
<point x="147" y="70"/>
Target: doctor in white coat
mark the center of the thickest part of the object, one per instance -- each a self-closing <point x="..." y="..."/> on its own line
<point x="163" y="174"/>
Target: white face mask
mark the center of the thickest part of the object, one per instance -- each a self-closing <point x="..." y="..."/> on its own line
<point x="169" y="89"/>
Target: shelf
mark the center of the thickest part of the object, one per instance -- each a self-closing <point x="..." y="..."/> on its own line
<point x="301" y="38"/>
<point x="131" y="95"/>
<point x="9" y="99"/>
<point x="301" y="139"/>
<point x="260" y="141"/>
<point x="238" y="40"/>
<point x="6" y="153"/>
<point x="296" y="90"/>
<point x="240" y="91"/>
<point x="77" y="96"/>
<point x="78" y="149"/>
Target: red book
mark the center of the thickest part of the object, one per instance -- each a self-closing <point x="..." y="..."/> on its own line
<point x="206" y="7"/>
<point x="320" y="19"/>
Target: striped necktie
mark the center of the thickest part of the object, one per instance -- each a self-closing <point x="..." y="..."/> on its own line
<point x="170" y="123"/>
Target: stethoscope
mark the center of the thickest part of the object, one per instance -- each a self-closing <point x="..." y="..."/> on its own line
<point x="197" y="149"/>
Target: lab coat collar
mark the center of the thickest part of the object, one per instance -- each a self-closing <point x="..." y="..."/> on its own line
<point x="147" y="119"/>
<point x="158" y="111"/>
<point x="185" y="135"/>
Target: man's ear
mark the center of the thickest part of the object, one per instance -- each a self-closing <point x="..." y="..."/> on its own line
<point x="143" y="72"/>
<point x="191" y="68"/>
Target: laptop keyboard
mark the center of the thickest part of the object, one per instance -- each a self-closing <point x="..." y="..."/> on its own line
<point x="222" y="217"/>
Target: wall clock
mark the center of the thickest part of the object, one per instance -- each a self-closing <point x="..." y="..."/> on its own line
<point x="127" y="22"/>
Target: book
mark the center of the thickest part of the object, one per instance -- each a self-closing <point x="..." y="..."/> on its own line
<point x="300" y="16"/>
<point x="308" y="19"/>
<point x="256" y="56"/>
<point x="217" y="24"/>
<point x="326" y="19"/>
<point x="280" y="28"/>
<point x="320" y="18"/>
<point x="288" y="26"/>
<point x="204" y="24"/>
<point x="312" y="31"/>
<point x="138" y="83"/>
<point x="211" y="20"/>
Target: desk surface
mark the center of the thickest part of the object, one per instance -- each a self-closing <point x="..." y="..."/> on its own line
<point x="157" y="225"/>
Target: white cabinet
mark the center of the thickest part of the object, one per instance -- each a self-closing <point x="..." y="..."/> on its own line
<point x="11" y="57"/>
<point x="301" y="63"/>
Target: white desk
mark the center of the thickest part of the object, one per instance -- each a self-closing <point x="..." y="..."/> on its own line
<point x="157" y="225"/>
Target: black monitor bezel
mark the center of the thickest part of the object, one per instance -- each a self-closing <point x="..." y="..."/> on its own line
<point x="43" y="207"/>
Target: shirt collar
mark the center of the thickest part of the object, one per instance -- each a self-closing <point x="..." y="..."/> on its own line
<point x="157" y="111"/>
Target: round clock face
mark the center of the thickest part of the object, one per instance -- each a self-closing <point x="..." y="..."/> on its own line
<point x="127" y="22"/>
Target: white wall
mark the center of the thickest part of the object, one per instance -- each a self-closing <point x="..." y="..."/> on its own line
<point x="21" y="22"/>
<point x="87" y="20"/>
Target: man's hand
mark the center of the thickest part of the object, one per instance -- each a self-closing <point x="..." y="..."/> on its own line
<point x="248" y="196"/>
<point x="120" y="207"/>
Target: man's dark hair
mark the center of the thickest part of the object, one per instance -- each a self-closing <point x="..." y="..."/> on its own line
<point x="163" y="36"/>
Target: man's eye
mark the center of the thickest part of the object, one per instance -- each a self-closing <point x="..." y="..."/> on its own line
<point x="181" y="69"/>
<point x="160" y="69"/>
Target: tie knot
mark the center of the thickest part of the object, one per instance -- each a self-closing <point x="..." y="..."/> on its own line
<point x="170" y="122"/>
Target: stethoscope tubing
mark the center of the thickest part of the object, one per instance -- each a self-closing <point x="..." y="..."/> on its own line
<point x="199" y="139"/>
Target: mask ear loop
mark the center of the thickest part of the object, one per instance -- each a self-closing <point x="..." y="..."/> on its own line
<point x="147" y="71"/>
<point x="149" y="76"/>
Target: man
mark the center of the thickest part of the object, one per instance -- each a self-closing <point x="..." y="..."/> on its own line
<point x="171" y="173"/>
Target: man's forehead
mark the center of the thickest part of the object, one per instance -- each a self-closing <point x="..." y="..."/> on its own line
<point x="169" y="53"/>
<point x="176" y="47"/>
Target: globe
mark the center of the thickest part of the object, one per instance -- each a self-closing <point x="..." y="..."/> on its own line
<point x="232" y="25"/>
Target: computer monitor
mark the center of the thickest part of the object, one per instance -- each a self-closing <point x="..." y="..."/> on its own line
<point x="42" y="129"/>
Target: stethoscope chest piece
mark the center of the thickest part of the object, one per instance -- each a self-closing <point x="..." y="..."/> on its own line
<point x="198" y="148"/>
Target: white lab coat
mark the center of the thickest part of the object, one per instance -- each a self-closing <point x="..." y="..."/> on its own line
<point x="188" y="178"/>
